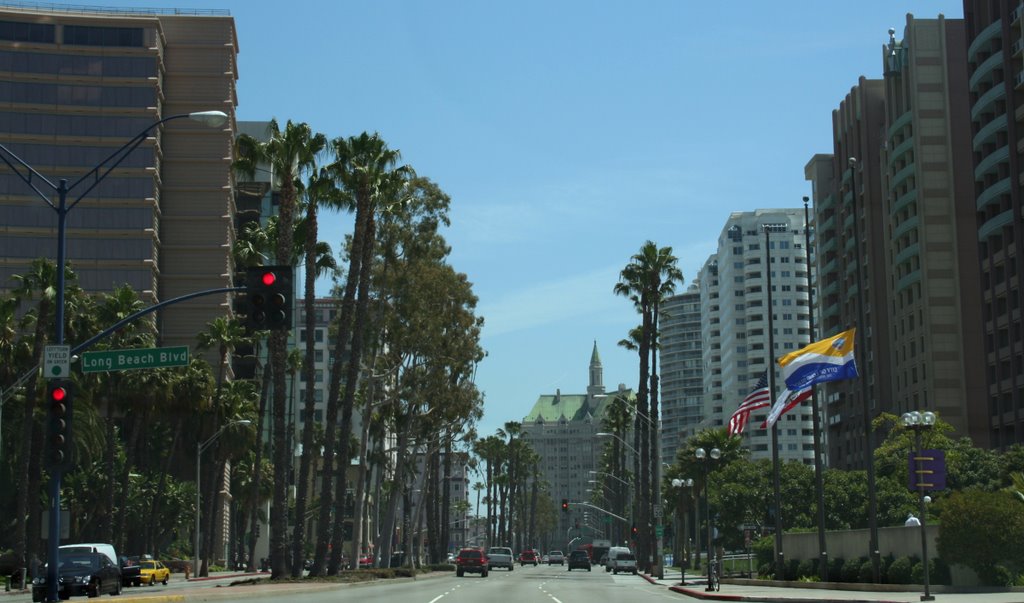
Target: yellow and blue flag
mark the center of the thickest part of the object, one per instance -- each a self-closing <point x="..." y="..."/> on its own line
<point x="826" y="360"/>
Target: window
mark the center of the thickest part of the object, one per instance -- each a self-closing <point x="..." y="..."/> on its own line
<point x="88" y="35"/>
<point x="18" y="31"/>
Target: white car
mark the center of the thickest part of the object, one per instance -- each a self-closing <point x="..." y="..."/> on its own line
<point x="622" y="562"/>
<point x="556" y="557"/>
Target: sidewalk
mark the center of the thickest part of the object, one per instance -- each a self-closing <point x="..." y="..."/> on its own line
<point x="745" y="590"/>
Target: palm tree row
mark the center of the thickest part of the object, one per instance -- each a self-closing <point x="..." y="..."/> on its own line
<point x="649" y="277"/>
<point x="401" y="359"/>
<point x="130" y="484"/>
<point x="516" y="515"/>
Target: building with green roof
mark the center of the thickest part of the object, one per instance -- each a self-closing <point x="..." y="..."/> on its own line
<point x="562" y="429"/>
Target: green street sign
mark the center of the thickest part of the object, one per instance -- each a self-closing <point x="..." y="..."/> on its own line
<point x="126" y="360"/>
<point x="659" y="531"/>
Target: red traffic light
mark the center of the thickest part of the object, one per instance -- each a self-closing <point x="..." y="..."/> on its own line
<point x="58" y="394"/>
<point x="268" y="278"/>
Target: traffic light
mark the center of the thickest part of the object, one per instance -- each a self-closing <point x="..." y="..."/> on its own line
<point x="633" y="531"/>
<point x="565" y="505"/>
<point x="59" y="395"/>
<point x="270" y="294"/>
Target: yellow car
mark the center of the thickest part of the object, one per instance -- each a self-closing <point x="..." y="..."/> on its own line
<point x="153" y="572"/>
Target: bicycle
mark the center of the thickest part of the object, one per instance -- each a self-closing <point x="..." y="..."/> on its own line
<point x="713" y="581"/>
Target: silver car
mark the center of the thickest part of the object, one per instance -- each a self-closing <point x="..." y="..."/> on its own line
<point x="556" y="557"/>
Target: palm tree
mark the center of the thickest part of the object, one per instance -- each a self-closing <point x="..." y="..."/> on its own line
<point x="289" y="154"/>
<point x="364" y="166"/>
<point x="646" y="280"/>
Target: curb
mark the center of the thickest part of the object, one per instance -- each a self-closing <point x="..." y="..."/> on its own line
<point x="228" y="576"/>
<point x="705" y="596"/>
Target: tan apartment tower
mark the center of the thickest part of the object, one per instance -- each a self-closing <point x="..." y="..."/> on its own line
<point x="995" y="86"/>
<point x="76" y="83"/>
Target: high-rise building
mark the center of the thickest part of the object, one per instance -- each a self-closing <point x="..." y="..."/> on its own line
<point x="995" y="86"/>
<point x="76" y="83"/>
<point x="895" y="260"/>
<point x="681" y="372"/>
<point x="735" y="284"/>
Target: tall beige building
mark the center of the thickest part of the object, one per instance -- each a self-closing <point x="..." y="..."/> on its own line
<point x="76" y="83"/>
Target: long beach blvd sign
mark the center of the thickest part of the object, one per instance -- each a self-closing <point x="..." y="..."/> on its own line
<point x="126" y="360"/>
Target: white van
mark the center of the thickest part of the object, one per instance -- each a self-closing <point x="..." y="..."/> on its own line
<point x="93" y="547"/>
<point x="613" y="554"/>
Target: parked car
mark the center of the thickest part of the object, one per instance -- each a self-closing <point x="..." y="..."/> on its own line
<point x="471" y="560"/>
<point x="365" y="561"/>
<point x="579" y="560"/>
<point x="153" y="572"/>
<point x="84" y="573"/>
<point x="500" y="556"/>
<point x="529" y="556"/>
<point x="556" y="557"/>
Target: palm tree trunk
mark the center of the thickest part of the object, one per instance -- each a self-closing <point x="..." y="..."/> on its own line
<point x="341" y="342"/>
<point x="351" y="381"/>
<point x="22" y="542"/>
<point x="655" y="441"/>
<point x="308" y="373"/>
<point x="358" y="532"/>
<point x="258" y="473"/>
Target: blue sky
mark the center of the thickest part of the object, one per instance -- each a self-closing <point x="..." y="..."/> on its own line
<point x="567" y="133"/>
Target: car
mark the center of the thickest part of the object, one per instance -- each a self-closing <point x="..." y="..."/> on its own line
<point x="81" y="573"/>
<point x="500" y="556"/>
<point x="153" y="572"/>
<point x="366" y="561"/>
<point x="579" y="560"/>
<point x="545" y="559"/>
<point x="471" y="561"/>
<point x="528" y="556"/>
<point x="556" y="557"/>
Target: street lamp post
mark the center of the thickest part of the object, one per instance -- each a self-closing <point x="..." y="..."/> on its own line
<point x="688" y="484"/>
<point x="605" y="434"/>
<point x="90" y="180"/>
<point x="707" y="457"/>
<point x="918" y="422"/>
<point x="200" y="448"/>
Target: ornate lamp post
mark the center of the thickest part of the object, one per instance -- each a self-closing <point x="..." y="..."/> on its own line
<point x="918" y="422"/>
<point x="707" y="457"/>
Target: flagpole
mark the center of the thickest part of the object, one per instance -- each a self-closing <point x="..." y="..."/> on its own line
<point x="819" y="488"/>
<point x="780" y="559"/>
<point x="869" y="447"/>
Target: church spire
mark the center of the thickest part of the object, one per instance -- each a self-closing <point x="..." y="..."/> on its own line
<point x="596" y="387"/>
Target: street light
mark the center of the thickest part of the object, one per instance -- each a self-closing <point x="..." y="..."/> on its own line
<point x="200" y="448"/>
<point x="90" y="180"/>
<point x="707" y="457"/>
<point x="685" y="483"/>
<point x="918" y="422"/>
<point x="605" y="434"/>
<point x="614" y="477"/>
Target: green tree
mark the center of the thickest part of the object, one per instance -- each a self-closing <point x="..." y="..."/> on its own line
<point x="982" y="531"/>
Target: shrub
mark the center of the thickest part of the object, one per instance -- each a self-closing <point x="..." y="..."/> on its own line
<point x="792" y="569"/>
<point x="808" y="568"/>
<point x="851" y="570"/>
<point x="835" y="569"/>
<point x="938" y="572"/>
<point x="441" y="567"/>
<point x="766" y="571"/>
<point x="764" y="550"/>
<point x="900" y="571"/>
<point x="883" y="567"/>
<point x="867" y="572"/>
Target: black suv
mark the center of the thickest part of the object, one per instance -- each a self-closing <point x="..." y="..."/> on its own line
<point x="579" y="560"/>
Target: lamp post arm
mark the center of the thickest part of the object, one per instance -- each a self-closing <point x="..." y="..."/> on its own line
<point x="18" y="166"/>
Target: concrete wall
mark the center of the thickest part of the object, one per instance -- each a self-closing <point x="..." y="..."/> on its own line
<point x="847" y="544"/>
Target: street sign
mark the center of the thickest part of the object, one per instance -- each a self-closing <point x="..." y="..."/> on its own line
<point x="657" y="511"/>
<point x="659" y="530"/>
<point x="141" y="358"/>
<point x="56" y="361"/>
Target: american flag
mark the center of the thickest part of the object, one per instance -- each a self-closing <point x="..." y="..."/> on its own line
<point x="759" y="397"/>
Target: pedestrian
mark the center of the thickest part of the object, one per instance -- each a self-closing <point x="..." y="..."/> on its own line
<point x="912" y="521"/>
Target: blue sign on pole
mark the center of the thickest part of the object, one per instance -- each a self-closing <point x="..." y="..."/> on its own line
<point x="927" y="470"/>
